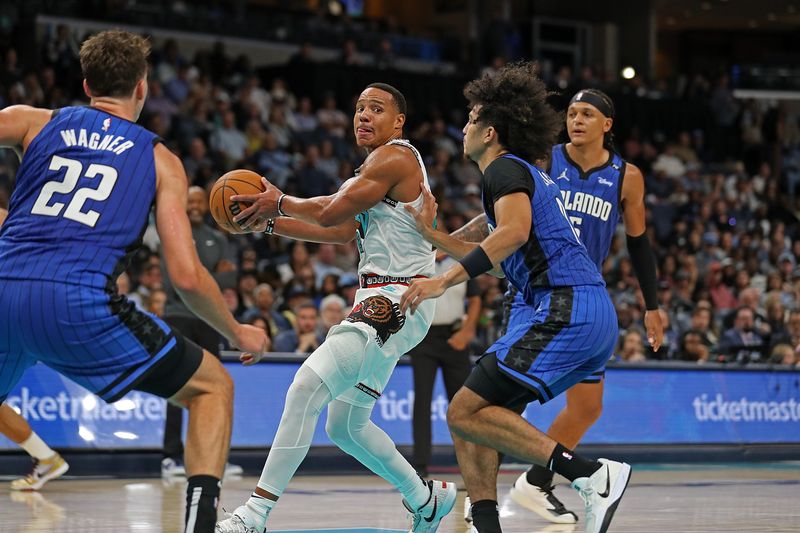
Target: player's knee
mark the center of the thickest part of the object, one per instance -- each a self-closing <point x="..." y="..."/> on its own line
<point x="221" y="386"/>
<point x="299" y="389"/>
<point x="586" y="412"/>
<point x="592" y="411"/>
<point x="338" y="432"/>
<point x="299" y="397"/>
<point x="456" y="415"/>
<point x="225" y="386"/>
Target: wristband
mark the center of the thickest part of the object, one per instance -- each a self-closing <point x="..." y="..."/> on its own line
<point x="476" y="262"/>
<point x="270" y="226"/>
<point x="280" y="201"/>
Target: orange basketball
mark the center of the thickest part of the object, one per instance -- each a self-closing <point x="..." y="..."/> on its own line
<point x="237" y="181"/>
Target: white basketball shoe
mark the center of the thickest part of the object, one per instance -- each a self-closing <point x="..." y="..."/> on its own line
<point x="426" y="519"/>
<point x="602" y="492"/>
<point x="241" y="520"/>
<point x="541" y="501"/>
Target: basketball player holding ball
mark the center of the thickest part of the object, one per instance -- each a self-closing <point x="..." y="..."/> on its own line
<point x="348" y="372"/>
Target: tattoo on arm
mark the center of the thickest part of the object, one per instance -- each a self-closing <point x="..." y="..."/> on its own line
<point x="475" y="230"/>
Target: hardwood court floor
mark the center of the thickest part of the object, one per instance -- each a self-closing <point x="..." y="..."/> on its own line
<point x="660" y="498"/>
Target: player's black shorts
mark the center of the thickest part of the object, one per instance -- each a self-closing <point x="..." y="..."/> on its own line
<point x="487" y="381"/>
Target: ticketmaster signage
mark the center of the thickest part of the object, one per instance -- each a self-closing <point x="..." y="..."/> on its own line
<point x="641" y="406"/>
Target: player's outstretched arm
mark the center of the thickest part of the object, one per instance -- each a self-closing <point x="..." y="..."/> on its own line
<point x="642" y="259"/>
<point x="3" y="215"/>
<point x="189" y="277"/>
<point x="19" y="124"/>
<point x="513" y="229"/>
<point x="384" y="168"/>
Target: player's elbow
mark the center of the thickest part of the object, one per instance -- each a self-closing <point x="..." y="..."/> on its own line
<point x="189" y="284"/>
<point x="186" y="279"/>
<point x="516" y="236"/>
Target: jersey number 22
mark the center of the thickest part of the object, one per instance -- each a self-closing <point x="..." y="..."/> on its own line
<point x="74" y="211"/>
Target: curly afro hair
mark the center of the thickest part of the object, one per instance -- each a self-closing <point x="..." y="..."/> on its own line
<point x="514" y="102"/>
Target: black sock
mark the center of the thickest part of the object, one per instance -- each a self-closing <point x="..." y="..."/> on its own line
<point x="571" y="465"/>
<point x="540" y="476"/>
<point x="486" y="516"/>
<point x="202" y="497"/>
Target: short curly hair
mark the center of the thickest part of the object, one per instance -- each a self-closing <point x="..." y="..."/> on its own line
<point x="113" y="62"/>
<point x="514" y="102"/>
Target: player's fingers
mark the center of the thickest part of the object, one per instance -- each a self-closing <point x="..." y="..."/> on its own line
<point x="416" y="300"/>
<point x="247" y="198"/>
<point x="246" y="213"/>
<point x="247" y="223"/>
<point x="403" y="302"/>
<point x="266" y="182"/>
<point x="407" y="298"/>
<point x="414" y="213"/>
<point x="659" y="341"/>
<point x="654" y="340"/>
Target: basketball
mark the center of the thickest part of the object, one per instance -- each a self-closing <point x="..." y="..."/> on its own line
<point x="223" y="210"/>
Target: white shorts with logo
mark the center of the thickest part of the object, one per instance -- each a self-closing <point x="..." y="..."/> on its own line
<point x="385" y="336"/>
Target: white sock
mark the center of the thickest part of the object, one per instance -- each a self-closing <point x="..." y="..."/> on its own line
<point x="36" y="447"/>
<point x="260" y="507"/>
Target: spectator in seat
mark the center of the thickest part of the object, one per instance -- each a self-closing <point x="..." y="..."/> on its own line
<point x="305" y="338"/>
<point x="741" y="343"/>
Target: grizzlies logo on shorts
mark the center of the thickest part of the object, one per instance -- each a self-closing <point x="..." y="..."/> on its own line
<point x="380" y="313"/>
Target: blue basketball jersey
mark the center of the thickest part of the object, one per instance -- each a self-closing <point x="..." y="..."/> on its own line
<point x="554" y="255"/>
<point x="81" y="201"/>
<point x="591" y="199"/>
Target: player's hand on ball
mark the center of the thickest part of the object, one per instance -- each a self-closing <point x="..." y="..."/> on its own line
<point x="426" y="216"/>
<point x="263" y="206"/>
<point x="420" y="290"/>
<point x="253" y="342"/>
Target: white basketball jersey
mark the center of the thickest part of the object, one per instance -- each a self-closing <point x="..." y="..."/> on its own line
<point x="388" y="241"/>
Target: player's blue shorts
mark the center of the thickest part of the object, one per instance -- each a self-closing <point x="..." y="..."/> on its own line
<point x="564" y="339"/>
<point x="513" y="299"/>
<point x="92" y="336"/>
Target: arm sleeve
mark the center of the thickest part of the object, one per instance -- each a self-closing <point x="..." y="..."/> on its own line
<point x="504" y="176"/>
<point x="644" y="264"/>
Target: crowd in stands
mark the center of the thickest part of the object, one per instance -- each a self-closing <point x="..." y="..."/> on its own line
<point x="722" y="205"/>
